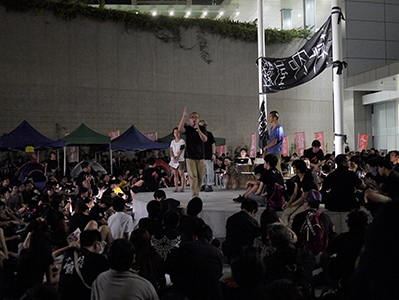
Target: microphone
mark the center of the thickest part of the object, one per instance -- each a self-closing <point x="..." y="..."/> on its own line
<point x="196" y="129"/>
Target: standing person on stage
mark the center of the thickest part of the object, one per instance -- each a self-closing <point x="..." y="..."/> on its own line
<point x="196" y="136"/>
<point x="276" y="138"/>
<point x="177" y="147"/>
<point x="210" y="159"/>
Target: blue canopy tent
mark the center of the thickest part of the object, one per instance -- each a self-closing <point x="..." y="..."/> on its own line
<point x="134" y="140"/>
<point x="24" y="136"/>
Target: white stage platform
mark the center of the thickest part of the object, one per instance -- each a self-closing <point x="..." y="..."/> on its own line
<point x="218" y="206"/>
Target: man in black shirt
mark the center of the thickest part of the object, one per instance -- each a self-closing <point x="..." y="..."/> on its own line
<point x="90" y="263"/>
<point x="150" y="180"/>
<point x="315" y="155"/>
<point x="339" y="187"/>
<point x="196" y="136"/>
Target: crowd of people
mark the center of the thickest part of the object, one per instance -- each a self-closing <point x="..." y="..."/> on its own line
<point x="77" y="237"/>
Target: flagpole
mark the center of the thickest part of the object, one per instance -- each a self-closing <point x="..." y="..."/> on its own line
<point x="337" y="79"/>
<point x="261" y="53"/>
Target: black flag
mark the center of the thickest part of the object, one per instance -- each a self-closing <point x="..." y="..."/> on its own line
<point x="263" y="133"/>
<point x="284" y="73"/>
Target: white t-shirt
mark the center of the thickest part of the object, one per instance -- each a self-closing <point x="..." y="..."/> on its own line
<point x="176" y="148"/>
<point x="119" y="223"/>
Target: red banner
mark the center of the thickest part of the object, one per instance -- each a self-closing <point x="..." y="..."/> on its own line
<point x="113" y="134"/>
<point x="319" y="136"/>
<point x="153" y="136"/>
<point x="221" y="150"/>
<point x="363" y="141"/>
<point x="35" y="156"/>
<point x="252" y="152"/>
<point x="300" y="142"/>
<point x="285" y="150"/>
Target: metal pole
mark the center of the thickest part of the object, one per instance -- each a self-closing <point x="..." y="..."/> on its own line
<point x="337" y="79"/>
<point x="261" y="53"/>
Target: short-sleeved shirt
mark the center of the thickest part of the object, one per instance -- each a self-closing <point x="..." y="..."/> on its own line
<point x="391" y="184"/>
<point x="176" y="147"/>
<point x="194" y="145"/>
<point x="276" y="132"/>
<point x="208" y="145"/>
<point x="314" y="158"/>
<point x="119" y="223"/>
<point x="270" y="177"/>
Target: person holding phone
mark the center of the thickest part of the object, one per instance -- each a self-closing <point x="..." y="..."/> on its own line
<point x="177" y="147"/>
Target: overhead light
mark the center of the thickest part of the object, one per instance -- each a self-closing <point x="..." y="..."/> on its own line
<point x="188" y="13"/>
<point x="237" y="13"/>
<point x="299" y="15"/>
<point x="154" y="13"/>
<point x="204" y="14"/>
<point x="171" y="13"/>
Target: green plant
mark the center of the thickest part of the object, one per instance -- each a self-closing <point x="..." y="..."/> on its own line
<point x="166" y="28"/>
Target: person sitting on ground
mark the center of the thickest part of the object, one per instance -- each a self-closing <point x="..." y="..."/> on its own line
<point x="241" y="229"/>
<point x="168" y="240"/>
<point x="120" y="223"/>
<point x="389" y="189"/>
<point x="303" y="183"/>
<point x="200" y="267"/>
<point x="345" y="248"/>
<point x="313" y="228"/>
<point x="153" y="222"/>
<point x="80" y="218"/>
<point x="394" y="158"/>
<point x="269" y="178"/>
<point x="121" y="282"/>
<point x="147" y="262"/>
<point x="315" y="156"/>
<point x="247" y="281"/>
<point x="339" y="187"/>
<point x="167" y="203"/>
<point x="284" y="263"/>
<point x="74" y="284"/>
<point x="262" y="243"/>
<point x="150" y="180"/>
<point x="189" y="222"/>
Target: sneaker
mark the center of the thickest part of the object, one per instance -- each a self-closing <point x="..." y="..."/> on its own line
<point x="203" y="188"/>
<point x="239" y="199"/>
<point x="208" y="189"/>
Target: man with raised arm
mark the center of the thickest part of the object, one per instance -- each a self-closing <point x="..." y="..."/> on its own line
<point x="196" y="136"/>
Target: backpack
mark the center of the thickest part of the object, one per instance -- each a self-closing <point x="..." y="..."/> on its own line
<point x="277" y="199"/>
<point x="313" y="233"/>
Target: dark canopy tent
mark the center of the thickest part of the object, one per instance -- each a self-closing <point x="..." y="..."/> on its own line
<point x="25" y="135"/>
<point x="133" y="140"/>
<point x="84" y="136"/>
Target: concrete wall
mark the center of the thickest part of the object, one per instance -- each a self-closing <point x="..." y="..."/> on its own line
<point x="372" y="37"/>
<point x="56" y="74"/>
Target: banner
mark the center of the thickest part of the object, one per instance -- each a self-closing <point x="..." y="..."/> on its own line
<point x="221" y="150"/>
<point x="300" y="143"/>
<point x="263" y="133"/>
<point x="35" y="156"/>
<point x="363" y="141"/>
<point x="285" y="150"/>
<point x="252" y="151"/>
<point x="310" y="61"/>
<point x="113" y="134"/>
<point x="320" y="137"/>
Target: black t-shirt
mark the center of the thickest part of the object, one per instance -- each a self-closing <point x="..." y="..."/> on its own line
<point x="151" y="177"/>
<point x="342" y="183"/>
<point x="91" y="265"/>
<point x="391" y="184"/>
<point x="314" y="158"/>
<point x="208" y="145"/>
<point x="194" y="145"/>
<point x="269" y="178"/>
